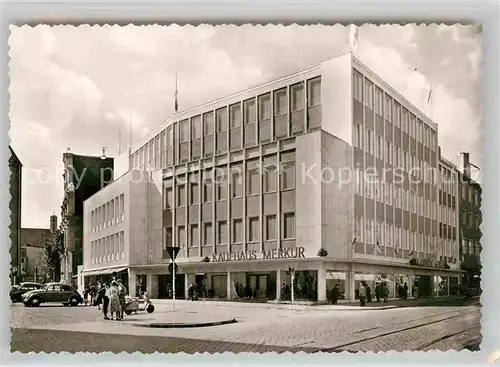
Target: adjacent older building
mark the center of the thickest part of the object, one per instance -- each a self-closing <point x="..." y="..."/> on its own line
<point x="327" y="176"/>
<point x="470" y="194"/>
<point x="83" y="177"/>
<point x="15" y="189"/>
<point x="32" y="245"/>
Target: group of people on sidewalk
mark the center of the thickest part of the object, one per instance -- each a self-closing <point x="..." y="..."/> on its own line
<point x="110" y="296"/>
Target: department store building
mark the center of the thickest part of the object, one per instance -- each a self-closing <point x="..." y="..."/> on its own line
<point x="280" y="176"/>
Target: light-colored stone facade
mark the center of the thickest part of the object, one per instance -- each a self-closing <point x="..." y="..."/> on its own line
<point x="273" y="170"/>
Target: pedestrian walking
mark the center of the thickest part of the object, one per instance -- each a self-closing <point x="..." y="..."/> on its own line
<point x="114" y="301"/>
<point x="105" y="300"/>
<point x="121" y="296"/>
<point x="101" y="290"/>
<point x="335" y="294"/>
<point x="191" y="292"/>
<point x="362" y="294"/>
<point x="405" y="291"/>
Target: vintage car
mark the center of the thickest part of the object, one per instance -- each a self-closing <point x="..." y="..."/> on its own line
<point x="52" y="293"/>
<point x="18" y="290"/>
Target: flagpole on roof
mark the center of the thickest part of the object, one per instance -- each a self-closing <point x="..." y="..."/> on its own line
<point x="353" y="38"/>
<point x="176" y="95"/>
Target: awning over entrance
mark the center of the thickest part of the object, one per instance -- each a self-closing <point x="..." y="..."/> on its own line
<point x="102" y="271"/>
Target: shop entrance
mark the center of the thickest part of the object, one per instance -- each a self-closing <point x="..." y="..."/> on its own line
<point x="258" y="285"/>
<point x="219" y="286"/>
<point x="165" y="286"/>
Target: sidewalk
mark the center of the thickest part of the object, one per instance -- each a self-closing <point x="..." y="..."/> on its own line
<point x="275" y="305"/>
<point x="309" y="305"/>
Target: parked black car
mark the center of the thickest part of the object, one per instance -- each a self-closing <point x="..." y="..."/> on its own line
<point x="53" y="293"/>
<point x="18" y="290"/>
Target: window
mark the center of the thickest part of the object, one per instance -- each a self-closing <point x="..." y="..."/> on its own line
<point x="252" y="182"/>
<point x="388" y="156"/>
<point x="195" y="240"/>
<point x="297" y="97"/>
<point x="221" y="188"/>
<point x="122" y="207"/>
<point x="253" y="229"/>
<point x="237" y="231"/>
<point x="237" y="185"/>
<point x="169" y="202"/>
<point x="181" y="195"/>
<point x="208" y="234"/>
<point x="181" y="236"/>
<point x="396" y="115"/>
<point x="358" y="87"/>
<point x="221" y="114"/>
<point x="358" y="136"/>
<point x="235" y="116"/>
<point x="378" y="101"/>
<point x="270" y="177"/>
<point x="358" y="229"/>
<point x="369" y="148"/>
<point x="265" y="107"/>
<point x="287" y="175"/>
<point x="388" y="108"/>
<point x="270" y="227"/>
<point x="184" y="131"/>
<point x="168" y="236"/>
<point x="208" y="123"/>
<point x="314" y="92"/>
<point x="280" y="102"/>
<point x="249" y="111"/>
<point x="196" y="127"/>
<point x="222" y="232"/>
<point x="358" y="184"/>
<point x="288" y="226"/>
<point x="379" y="146"/>
<point x="207" y="191"/>
<point x="194" y="193"/>
<point x="368" y="94"/>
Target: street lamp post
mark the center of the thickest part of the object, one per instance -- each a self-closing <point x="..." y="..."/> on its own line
<point x="292" y="280"/>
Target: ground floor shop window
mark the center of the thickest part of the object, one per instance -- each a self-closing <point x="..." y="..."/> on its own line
<point x="454" y="288"/>
<point x="440" y="286"/>
<point x="368" y="281"/>
<point x="336" y="278"/>
<point x="402" y="285"/>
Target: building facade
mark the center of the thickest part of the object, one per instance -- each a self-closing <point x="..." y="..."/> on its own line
<point x="32" y="245"/>
<point x="470" y="196"/>
<point x="327" y="176"/>
<point x="83" y="177"/>
<point x="15" y="190"/>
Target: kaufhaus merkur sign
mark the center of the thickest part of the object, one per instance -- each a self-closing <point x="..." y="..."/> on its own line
<point x="274" y="254"/>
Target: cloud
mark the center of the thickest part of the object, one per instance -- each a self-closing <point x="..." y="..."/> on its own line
<point x="77" y="86"/>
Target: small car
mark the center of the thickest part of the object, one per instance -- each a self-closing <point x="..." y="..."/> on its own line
<point x="53" y="293"/>
<point x="18" y="290"/>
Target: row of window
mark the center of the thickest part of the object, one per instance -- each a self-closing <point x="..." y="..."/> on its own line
<point x="252" y="232"/>
<point x="394" y="195"/>
<point x="108" y="214"/>
<point x="189" y="191"/>
<point x="470" y="193"/>
<point x="224" y="128"/>
<point x="392" y="111"/>
<point x="392" y="154"/>
<point x="470" y="219"/>
<point x="108" y="249"/>
<point x="448" y="180"/>
<point x="471" y="247"/>
<point x="388" y="235"/>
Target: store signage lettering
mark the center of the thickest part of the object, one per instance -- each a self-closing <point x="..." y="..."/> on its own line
<point x="289" y="253"/>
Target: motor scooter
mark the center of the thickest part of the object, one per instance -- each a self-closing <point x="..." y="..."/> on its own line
<point x="148" y="306"/>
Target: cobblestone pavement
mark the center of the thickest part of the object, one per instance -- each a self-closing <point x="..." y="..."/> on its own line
<point x="330" y="330"/>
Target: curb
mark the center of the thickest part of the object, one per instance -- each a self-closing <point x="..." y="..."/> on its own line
<point x="167" y="325"/>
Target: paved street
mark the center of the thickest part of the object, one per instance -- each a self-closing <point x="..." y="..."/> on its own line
<point x="259" y="328"/>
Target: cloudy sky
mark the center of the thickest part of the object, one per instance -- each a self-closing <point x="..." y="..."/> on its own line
<point x="77" y="86"/>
